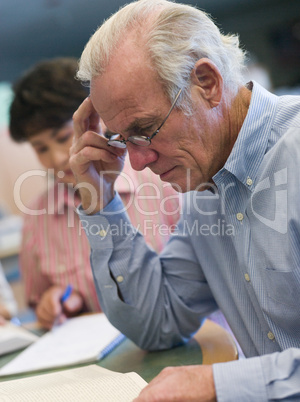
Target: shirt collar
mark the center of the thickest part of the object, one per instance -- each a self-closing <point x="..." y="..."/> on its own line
<point x="252" y="141"/>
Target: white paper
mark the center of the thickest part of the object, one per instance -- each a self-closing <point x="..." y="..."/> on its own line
<point x="90" y="383"/>
<point x="14" y="338"/>
<point x="78" y="340"/>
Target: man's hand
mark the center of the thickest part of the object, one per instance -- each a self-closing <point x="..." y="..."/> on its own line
<point x="51" y="311"/>
<point x="95" y="165"/>
<point x="186" y="383"/>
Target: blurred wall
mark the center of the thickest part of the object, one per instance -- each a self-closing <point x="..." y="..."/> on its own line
<point x="32" y="30"/>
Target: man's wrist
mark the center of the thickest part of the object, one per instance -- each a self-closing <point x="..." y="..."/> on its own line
<point x="92" y="204"/>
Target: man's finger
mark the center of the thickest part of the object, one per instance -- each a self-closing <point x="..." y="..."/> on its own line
<point x="85" y="118"/>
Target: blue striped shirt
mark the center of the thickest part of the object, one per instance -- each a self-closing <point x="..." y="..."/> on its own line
<point x="235" y="247"/>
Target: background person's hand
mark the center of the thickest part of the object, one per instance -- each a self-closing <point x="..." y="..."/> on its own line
<point x="2" y="320"/>
<point x="95" y="165"/>
<point x="51" y="311"/>
<point x="4" y="315"/>
<point x="185" y="383"/>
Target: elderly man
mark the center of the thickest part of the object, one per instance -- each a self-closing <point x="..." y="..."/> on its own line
<point x="169" y="83"/>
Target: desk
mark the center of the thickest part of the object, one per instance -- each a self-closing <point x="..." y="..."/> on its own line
<point x="211" y="344"/>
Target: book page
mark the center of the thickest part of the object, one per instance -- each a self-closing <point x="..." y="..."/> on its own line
<point x="90" y="383"/>
<point x="13" y="338"/>
<point x="78" y="340"/>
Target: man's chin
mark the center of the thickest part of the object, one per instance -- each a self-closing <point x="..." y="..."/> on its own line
<point x="179" y="186"/>
<point x="186" y="186"/>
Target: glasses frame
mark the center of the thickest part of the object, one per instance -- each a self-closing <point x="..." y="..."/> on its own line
<point x="122" y="143"/>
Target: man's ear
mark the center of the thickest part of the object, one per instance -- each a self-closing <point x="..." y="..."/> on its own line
<point x="207" y="79"/>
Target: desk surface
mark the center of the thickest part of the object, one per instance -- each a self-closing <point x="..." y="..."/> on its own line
<point x="211" y="344"/>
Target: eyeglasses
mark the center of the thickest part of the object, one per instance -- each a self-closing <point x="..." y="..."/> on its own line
<point x="140" y="140"/>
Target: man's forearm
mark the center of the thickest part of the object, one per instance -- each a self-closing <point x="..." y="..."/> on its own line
<point x="153" y="309"/>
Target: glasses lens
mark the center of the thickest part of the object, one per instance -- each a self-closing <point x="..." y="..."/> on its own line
<point x="116" y="144"/>
<point x="140" y="140"/>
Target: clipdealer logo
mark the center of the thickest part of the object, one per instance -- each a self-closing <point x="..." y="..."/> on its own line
<point x="279" y="223"/>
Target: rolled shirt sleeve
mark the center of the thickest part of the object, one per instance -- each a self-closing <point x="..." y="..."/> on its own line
<point x="266" y="378"/>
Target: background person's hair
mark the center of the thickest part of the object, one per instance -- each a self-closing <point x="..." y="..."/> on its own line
<point x="175" y="36"/>
<point x="46" y="96"/>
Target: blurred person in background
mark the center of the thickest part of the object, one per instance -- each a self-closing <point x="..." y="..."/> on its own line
<point x="55" y="252"/>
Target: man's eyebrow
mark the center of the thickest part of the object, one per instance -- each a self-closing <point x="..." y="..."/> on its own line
<point x="139" y="124"/>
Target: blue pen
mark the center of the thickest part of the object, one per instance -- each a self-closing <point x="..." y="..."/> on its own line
<point x="67" y="293"/>
<point x="64" y="298"/>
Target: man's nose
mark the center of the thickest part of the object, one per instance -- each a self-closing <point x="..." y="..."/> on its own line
<point x="141" y="157"/>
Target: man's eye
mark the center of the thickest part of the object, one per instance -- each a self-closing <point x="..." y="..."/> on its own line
<point x="116" y="137"/>
<point x="149" y="128"/>
<point x="143" y="131"/>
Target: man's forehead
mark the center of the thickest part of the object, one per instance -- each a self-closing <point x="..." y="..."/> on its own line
<point x="115" y="89"/>
<point x="134" y="100"/>
<point x="126" y="115"/>
<point x="110" y="104"/>
<point x="128" y="75"/>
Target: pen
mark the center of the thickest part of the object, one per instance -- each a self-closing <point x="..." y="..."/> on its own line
<point x="66" y="294"/>
<point x="15" y="321"/>
<point x="64" y="298"/>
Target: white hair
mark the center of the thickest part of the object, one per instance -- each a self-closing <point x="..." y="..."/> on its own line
<point x="175" y="37"/>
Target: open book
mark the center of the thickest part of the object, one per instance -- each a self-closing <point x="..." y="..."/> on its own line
<point x="13" y="337"/>
<point x="81" y="339"/>
<point x="90" y="383"/>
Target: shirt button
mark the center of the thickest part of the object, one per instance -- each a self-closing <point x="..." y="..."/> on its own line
<point x="271" y="336"/>
<point x="120" y="278"/>
<point x="247" y="277"/>
<point x="102" y="233"/>
<point x="249" y="181"/>
<point x="239" y="216"/>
